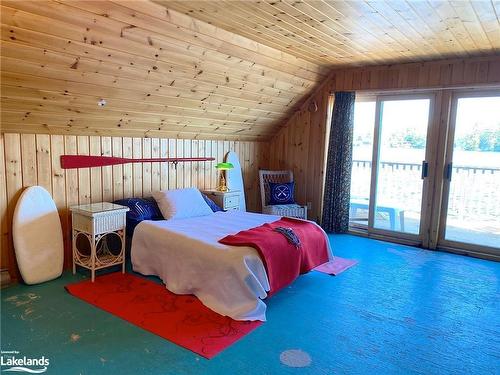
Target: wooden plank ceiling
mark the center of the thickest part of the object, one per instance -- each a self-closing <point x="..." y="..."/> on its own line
<point x="336" y="33"/>
<point x="162" y="73"/>
<point x="224" y="70"/>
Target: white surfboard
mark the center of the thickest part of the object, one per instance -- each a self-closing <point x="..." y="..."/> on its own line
<point x="234" y="177"/>
<point x="38" y="238"/>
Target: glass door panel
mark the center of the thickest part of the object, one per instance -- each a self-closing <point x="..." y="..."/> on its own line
<point x="473" y="210"/>
<point x="362" y="150"/>
<point x="402" y="143"/>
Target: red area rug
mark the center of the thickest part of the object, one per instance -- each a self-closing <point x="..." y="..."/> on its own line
<point x="182" y="319"/>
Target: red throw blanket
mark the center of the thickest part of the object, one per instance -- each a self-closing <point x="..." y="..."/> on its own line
<point x="283" y="261"/>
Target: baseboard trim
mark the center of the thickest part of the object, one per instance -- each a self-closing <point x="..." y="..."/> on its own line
<point x="4" y="278"/>
<point x="470" y="253"/>
<point x="447" y="249"/>
<point x="382" y="237"/>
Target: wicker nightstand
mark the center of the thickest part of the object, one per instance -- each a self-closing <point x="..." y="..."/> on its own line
<point x="227" y="200"/>
<point x="96" y="222"/>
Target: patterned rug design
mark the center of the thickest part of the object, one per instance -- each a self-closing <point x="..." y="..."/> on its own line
<point x="182" y="319"/>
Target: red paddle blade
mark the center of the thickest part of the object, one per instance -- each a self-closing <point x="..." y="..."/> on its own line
<point x="86" y="161"/>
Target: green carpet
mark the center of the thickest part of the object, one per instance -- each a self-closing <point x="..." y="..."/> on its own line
<point x="401" y="310"/>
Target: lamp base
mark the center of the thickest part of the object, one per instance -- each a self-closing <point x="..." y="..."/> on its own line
<point x="222" y="183"/>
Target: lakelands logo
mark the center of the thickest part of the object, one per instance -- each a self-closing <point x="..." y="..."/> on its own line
<point x="11" y="361"/>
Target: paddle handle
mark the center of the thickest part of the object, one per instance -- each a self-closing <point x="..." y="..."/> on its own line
<point x="88" y="161"/>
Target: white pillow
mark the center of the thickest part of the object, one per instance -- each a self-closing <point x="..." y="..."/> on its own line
<point x="181" y="203"/>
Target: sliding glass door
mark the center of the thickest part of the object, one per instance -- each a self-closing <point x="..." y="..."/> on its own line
<point x="471" y="202"/>
<point x="425" y="176"/>
<point x="389" y="164"/>
<point x="401" y="166"/>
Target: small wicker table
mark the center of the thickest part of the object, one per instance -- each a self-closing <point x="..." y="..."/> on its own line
<point x="95" y="222"/>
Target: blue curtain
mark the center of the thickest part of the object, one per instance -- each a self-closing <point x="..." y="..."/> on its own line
<point x="339" y="163"/>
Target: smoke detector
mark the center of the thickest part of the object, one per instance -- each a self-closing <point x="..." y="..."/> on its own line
<point x="101" y="102"/>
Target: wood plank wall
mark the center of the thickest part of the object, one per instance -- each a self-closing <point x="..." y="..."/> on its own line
<point x="33" y="159"/>
<point x="301" y="143"/>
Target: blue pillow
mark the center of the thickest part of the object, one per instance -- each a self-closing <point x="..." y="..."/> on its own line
<point x="211" y="204"/>
<point x="281" y="193"/>
<point x="140" y="209"/>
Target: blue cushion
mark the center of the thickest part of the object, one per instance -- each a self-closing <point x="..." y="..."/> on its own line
<point x="281" y="193"/>
<point x="211" y="204"/>
<point x="140" y="209"/>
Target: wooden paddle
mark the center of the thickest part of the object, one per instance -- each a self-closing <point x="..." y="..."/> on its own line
<point x="86" y="161"/>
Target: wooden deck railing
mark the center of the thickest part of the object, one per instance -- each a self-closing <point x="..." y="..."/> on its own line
<point x="475" y="191"/>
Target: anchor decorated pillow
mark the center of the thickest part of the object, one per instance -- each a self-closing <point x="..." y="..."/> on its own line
<point x="281" y="193"/>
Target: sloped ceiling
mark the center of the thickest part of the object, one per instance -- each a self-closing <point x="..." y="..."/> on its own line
<point x="208" y="69"/>
<point x="358" y="32"/>
<point x="160" y="72"/>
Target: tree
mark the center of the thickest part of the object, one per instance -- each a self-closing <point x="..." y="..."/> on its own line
<point x="414" y="140"/>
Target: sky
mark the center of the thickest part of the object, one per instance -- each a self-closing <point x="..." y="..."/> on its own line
<point x="482" y="112"/>
<point x="401" y="115"/>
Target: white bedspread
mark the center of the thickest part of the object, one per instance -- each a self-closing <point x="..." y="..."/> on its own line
<point x="186" y="255"/>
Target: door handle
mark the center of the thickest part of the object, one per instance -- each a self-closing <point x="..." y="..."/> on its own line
<point x="425" y="169"/>
<point x="449" y="171"/>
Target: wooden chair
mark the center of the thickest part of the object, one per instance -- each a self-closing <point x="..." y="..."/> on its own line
<point x="290" y="210"/>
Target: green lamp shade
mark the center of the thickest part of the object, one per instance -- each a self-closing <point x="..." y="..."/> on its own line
<point x="224" y="166"/>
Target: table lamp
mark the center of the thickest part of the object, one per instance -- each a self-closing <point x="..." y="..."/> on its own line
<point x="222" y="181"/>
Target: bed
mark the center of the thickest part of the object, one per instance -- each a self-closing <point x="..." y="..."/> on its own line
<point x="186" y="255"/>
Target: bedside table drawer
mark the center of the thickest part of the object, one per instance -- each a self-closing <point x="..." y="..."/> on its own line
<point x="227" y="200"/>
<point x="109" y="223"/>
<point x="231" y="202"/>
<point x="99" y="223"/>
<point x="82" y="223"/>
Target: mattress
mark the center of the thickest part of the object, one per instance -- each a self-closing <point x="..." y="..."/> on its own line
<point x="186" y="255"/>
